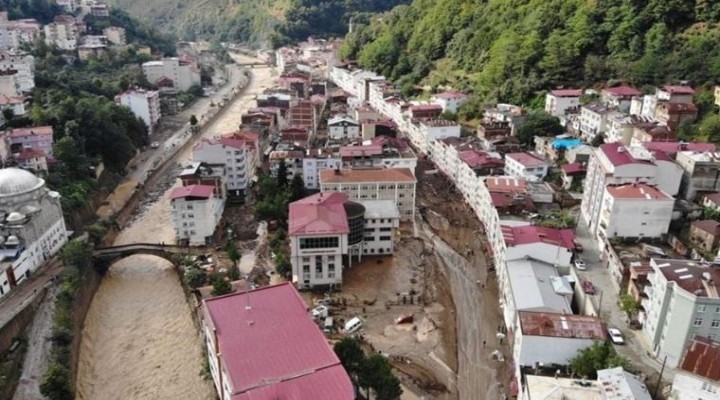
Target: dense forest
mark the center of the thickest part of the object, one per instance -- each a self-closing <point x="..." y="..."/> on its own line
<point x="256" y="22"/>
<point x="510" y="49"/>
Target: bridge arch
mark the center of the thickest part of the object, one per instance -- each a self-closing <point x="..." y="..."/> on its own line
<point x="104" y="257"/>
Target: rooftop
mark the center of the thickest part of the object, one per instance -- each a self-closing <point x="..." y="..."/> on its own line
<point x="622" y="91"/>
<point x="678" y="107"/>
<point x="674" y="147"/>
<point x="567" y="92"/>
<point x="436" y="122"/>
<point x="380" y="209"/>
<point x="676" y="89"/>
<point x="550" y="388"/>
<point x="480" y="159"/>
<point x="637" y="191"/>
<point x="30" y="131"/>
<point x="320" y="213"/>
<point x="526" y="159"/>
<point x="536" y="286"/>
<point x="704" y="156"/>
<point x="367" y="175"/>
<point x="702" y="357"/>
<point x="619" y="155"/>
<point x="192" y="192"/>
<point x="527" y="234"/>
<point x="699" y="279"/>
<point x="505" y="184"/>
<point x="426" y="107"/>
<point x="562" y="325"/>
<point x="713" y="197"/>
<point x="272" y="349"/>
<point x="619" y="384"/>
<point x="708" y="225"/>
<point x="574" y="168"/>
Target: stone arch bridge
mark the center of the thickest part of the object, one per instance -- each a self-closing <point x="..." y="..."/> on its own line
<point x="104" y="257"/>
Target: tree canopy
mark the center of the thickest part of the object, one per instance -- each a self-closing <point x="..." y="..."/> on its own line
<point x="600" y="355"/>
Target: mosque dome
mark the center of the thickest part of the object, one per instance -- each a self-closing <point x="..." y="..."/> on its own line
<point x="17" y="181"/>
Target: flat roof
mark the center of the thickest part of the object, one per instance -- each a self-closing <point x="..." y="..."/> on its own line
<point x="192" y="191"/>
<point x="562" y="325"/>
<point x="402" y="175"/>
<point x="551" y="388"/>
<point x="566" y="92"/>
<point x="637" y="191"/>
<point x="533" y="285"/>
<point x="271" y="348"/>
<point x="380" y="209"/>
<point x="30" y="131"/>
<point x="505" y="184"/>
<point x="619" y="384"/>
<point x="527" y="159"/>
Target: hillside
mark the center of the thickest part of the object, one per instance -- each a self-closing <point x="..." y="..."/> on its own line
<point x="258" y="22"/>
<point x="510" y="49"/>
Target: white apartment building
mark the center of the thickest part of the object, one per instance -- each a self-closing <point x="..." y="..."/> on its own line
<point x="21" y="66"/>
<point x="450" y="101"/>
<point x="196" y="212"/>
<point x="593" y="121"/>
<point x="396" y="184"/>
<point x="382" y="219"/>
<point x="13" y="34"/>
<point x="145" y="104"/>
<point x="621" y="127"/>
<point x="691" y="386"/>
<point x="615" y="164"/>
<point x="313" y="164"/>
<point x="526" y="165"/>
<point x="62" y="32"/>
<point x="115" y="35"/>
<point x="683" y="302"/>
<point x="355" y="81"/>
<point x="239" y="156"/>
<point x="343" y="127"/>
<point x="558" y="101"/>
<point x="379" y="152"/>
<point x="698" y="375"/>
<point x="666" y="94"/>
<point x="183" y="75"/>
<point x="634" y="210"/>
<point x="701" y="170"/>
<point x="423" y="132"/>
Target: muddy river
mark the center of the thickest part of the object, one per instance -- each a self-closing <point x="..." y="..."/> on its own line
<point x="139" y="341"/>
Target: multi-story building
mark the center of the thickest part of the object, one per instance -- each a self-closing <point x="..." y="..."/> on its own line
<point x="526" y="165"/>
<point x="621" y="127"/>
<point x="145" y="104"/>
<point x="705" y="233"/>
<point x="382" y="219"/>
<point x="619" y="97"/>
<point x="698" y="375"/>
<point x="21" y="66"/>
<point x="115" y="35"/>
<point x="343" y="127"/>
<point x="634" y="210"/>
<point x="425" y="111"/>
<point x="62" y="32"/>
<point x="615" y="164"/>
<point x="450" y="101"/>
<point x="32" y="228"/>
<point x="558" y="101"/>
<point x="683" y="302"/>
<point x="100" y="10"/>
<point x="15" y="33"/>
<point x="380" y="152"/>
<point x="262" y="344"/>
<point x="593" y="120"/>
<point x="675" y="114"/>
<point x="14" y="103"/>
<point x="200" y="173"/>
<point x="423" y="132"/>
<point x="701" y="172"/>
<point x="183" y="74"/>
<point x="36" y="137"/>
<point x="301" y="113"/>
<point x="396" y="184"/>
<point x="30" y="159"/>
<point x="196" y="212"/>
<point x="316" y="161"/>
<point x="239" y="156"/>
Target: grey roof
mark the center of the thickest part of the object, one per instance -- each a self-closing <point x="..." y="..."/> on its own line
<point x="16" y="181"/>
<point x="533" y="287"/>
<point x="380" y="208"/>
<point x="622" y="385"/>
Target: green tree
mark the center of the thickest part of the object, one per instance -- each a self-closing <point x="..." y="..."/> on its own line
<point x="709" y="128"/>
<point x="220" y="286"/>
<point x="281" y="178"/>
<point x="539" y="123"/>
<point x="194" y="277"/>
<point x="600" y="355"/>
<point x="78" y="254"/>
<point x="193" y="120"/>
<point x="297" y="188"/>
<point x="376" y="374"/>
<point x="598" y="140"/>
<point x="232" y="251"/>
<point x="56" y="384"/>
<point x="351" y="356"/>
<point x="629" y="305"/>
<point x="282" y="264"/>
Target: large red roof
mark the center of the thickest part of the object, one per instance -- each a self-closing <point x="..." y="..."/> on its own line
<point x="526" y="159"/>
<point x="195" y="191"/>
<point x="623" y="91"/>
<point x="321" y="213"/>
<point x="527" y="234"/>
<point x="31" y="131"/>
<point x="619" y="155"/>
<point x="702" y="357"/>
<point x="638" y="191"/>
<point x="675" y="89"/>
<point x="567" y="92"/>
<point x="479" y="159"/>
<point x="271" y="348"/>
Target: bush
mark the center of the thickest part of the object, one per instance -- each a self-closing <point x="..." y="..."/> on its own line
<point x="194" y="277"/>
<point x="56" y="383"/>
<point x="221" y="286"/>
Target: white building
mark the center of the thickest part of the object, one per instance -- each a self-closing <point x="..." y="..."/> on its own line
<point x="396" y="184"/>
<point x="700" y="172"/>
<point x="683" y="302"/>
<point x="593" y="121"/>
<point x="32" y="228"/>
<point x="14" y="34"/>
<point x="550" y="388"/>
<point x="62" y="32"/>
<point x="196" y="212"/>
<point x="21" y="66"/>
<point x="312" y="164"/>
<point x="423" y="132"/>
<point x="145" y="104"/>
<point x="450" y="101"/>
<point x="343" y="127"/>
<point x="182" y="74"/>
<point x="526" y="165"/>
<point x="239" y="156"/>
<point x="690" y="386"/>
<point x="115" y="35"/>
<point x="558" y="101"/>
<point x="615" y="164"/>
<point x="548" y="338"/>
<point x="382" y="219"/>
<point x="634" y="210"/>
<point x="621" y="127"/>
<point x="14" y="103"/>
<point x="622" y="385"/>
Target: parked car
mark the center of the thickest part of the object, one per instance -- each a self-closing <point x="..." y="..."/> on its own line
<point x="320" y="312"/>
<point x="353" y="325"/>
<point x="580" y="264"/>
<point x="616" y="336"/>
<point x="154" y="145"/>
<point x="588" y="287"/>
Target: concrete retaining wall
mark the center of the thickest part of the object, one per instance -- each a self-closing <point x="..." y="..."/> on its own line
<point x="19" y="323"/>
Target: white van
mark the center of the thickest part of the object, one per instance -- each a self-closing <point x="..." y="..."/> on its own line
<point x="328" y="325"/>
<point x="353" y="325"/>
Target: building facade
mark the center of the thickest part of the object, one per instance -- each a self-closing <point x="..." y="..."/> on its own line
<point x="145" y="104"/>
<point x="526" y="165"/>
<point x="196" y="212"/>
<point x="701" y="172"/>
<point x="559" y="101"/>
<point x="343" y="127"/>
<point x="239" y="156"/>
<point x="634" y="211"/>
<point x="182" y="74"/>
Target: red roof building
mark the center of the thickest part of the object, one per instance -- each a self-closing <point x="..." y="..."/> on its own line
<point x="321" y="213"/>
<point x="192" y="192"/>
<point x="622" y="91"/>
<point x="266" y="347"/>
<point x="527" y="234"/>
<point x="566" y="92"/>
<point x="702" y="357"/>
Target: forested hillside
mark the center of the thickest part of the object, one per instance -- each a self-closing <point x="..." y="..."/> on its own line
<point x="258" y="22"/>
<point x="509" y="49"/>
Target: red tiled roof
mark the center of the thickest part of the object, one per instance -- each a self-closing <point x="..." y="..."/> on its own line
<point x="478" y="159"/>
<point x="360" y="151"/>
<point x="562" y="325"/>
<point x="574" y="168"/>
<point x="674" y="147"/>
<point x="566" y="92"/>
<point x="708" y="225"/>
<point x="690" y="275"/>
<point x="623" y="91"/>
<point x="526" y="159"/>
<point x="426" y="107"/>
<point x="702" y="357"/>
<point x="367" y="175"/>
<point x="230" y="142"/>
<point x="319" y="214"/>
<point x="678" y="108"/>
<point x="619" y="154"/>
<point x="450" y="94"/>
<point x="673" y="89"/>
<point x="30" y="131"/>
<point x="527" y="234"/>
<point x="637" y="191"/>
<point x="199" y="191"/>
<point x="5" y="100"/>
<point x="271" y="348"/>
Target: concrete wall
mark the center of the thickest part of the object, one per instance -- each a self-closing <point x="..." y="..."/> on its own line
<point x="16" y="326"/>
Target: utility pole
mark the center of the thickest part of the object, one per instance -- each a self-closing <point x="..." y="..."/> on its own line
<point x="659" y="381"/>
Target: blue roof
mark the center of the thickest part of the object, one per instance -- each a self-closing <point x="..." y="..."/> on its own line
<point x="568" y="143"/>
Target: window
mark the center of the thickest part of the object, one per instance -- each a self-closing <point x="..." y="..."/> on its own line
<point x="715" y="323"/>
<point x="385" y="237"/>
<point x="331" y="270"/>
<point x="369" y="239"/>
<point x="701" y="308"/>
<point x="697" y="322"/>
<point x="306" y="269"/>
<point x="190" y="207"/>
<point x="318" y="267"/>
<point x="306" y="259"/>
<point x="385" y="229"/>
<point x="192" y="232"/>
<point x="369" y="230"/>
<point x="319" y="242"/>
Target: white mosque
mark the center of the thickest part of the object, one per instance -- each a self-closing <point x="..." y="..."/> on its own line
<point x="32" y="228"/>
